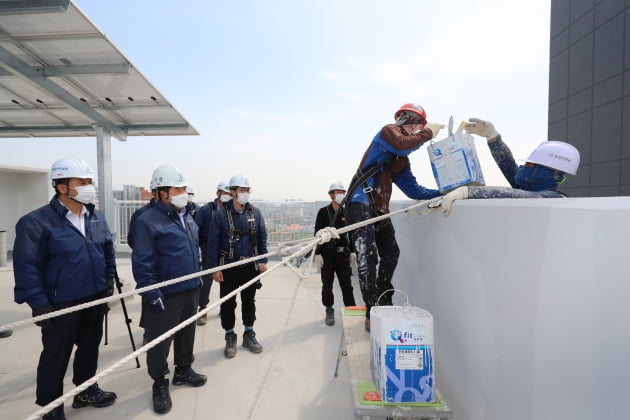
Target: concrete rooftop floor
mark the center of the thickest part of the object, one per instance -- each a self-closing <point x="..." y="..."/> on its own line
<point x="291" y="379"/>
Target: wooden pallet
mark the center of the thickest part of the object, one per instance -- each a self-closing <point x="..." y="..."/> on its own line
<point x="355" y="344"/>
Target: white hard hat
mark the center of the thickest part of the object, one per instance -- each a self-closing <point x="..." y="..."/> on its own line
<point x="70" y="168"/>
<point x="189" y="189"/>
<point x="152" y="184"/>
<point x="337" y="185"/>
<point x="223" y="186"/>
<point x="239" y="180"/>
<point x="557" y="155"/>
<point x="168" y="176"/>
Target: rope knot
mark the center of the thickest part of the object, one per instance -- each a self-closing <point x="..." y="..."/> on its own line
<point x="326" y="234"/>
<point x="283" y="249"/>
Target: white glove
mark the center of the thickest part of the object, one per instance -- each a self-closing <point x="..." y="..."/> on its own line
<point x="460" y="193"/>
<point x="319" y="260"/>
<point x="435" y="128"/>
<point x="481" y="128"/>
<point x="435" y="203"/>
<point x="353" y="258"/>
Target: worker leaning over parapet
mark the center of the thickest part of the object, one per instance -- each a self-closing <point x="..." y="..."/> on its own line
<point x="203" y="217"/>
<point x="238" y="232"/>
<point x="166" y="246"/>
<point x="384" y="163"/>
<point x="543" y="172"/>
<point x="64" y="256"/>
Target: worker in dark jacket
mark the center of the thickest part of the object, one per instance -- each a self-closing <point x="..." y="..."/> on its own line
<point x="166" y="246"/>
<point x="64" y="256"/>
<point x="203" y="217"/>
<point x="238" y="232"/>
<point x="138" y="213"/>
<point x="387" y="154"/>
<point x="544" y="170"/>
<point x="334" y="256"/>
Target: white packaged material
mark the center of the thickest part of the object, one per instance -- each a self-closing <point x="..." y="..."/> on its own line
<point x="454" y="162"/>
<point x="401" y="339"/>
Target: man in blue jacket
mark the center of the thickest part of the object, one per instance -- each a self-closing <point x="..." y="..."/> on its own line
<point x="203" y="217"/>
<point x="238" y="232"/>
<point x="387" y="158"/>
<point x="166" y="246"/>
<point x="64" y="256"/>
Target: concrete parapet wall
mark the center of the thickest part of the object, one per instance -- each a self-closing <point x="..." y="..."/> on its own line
<point x="531" y="304"/>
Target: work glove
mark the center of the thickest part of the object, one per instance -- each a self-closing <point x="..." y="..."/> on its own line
<point x="435" y="128"/>
<point x="460" y="193"/>
<point x="46" y="323"/>
<point x="156" y="301"/>
<point x="109" y="287"/>
<point x="353" y="258"/>
<point x="481" y="128"/>
<point x="319" y="260"/>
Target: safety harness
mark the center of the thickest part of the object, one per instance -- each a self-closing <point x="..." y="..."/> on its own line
<point x="359" y="179"/>
<point x="235" y="234"/>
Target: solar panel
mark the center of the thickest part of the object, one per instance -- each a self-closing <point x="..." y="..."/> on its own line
<point x="61" y="77"/>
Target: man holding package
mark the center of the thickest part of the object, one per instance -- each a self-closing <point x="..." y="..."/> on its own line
<point x="385" y="162"/>
<point x="540" y="177"/>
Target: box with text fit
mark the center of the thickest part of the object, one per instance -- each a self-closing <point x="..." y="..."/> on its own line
<point x="401" y="339"/>
<point x="454" y="162"/>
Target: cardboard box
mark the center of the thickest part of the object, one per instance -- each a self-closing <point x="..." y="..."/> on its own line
<point x="454" y="162"/>
<point x="401" y="339"/>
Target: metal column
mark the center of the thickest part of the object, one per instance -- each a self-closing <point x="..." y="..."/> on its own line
<point x="105" y="193"/>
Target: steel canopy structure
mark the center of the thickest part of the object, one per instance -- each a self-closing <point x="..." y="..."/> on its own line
<point x="61" y="77"/>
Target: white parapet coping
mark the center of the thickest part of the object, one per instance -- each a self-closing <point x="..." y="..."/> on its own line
<point x="530" y="300"/>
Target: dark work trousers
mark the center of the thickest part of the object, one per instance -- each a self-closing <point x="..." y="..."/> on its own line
<point x="83" y="329"/>
<point x="206" y="284"/>
<point x="336" y="262"/>
<point x="233" y="278"/>
<point x="179" y="307"/>
<point x="375" y="245"/>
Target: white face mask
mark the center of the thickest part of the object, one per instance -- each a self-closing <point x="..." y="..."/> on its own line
<point x="225" y="198"/>
<point x="179" y="201"/>
<point x="339" y="198"/>
<point x="242" y="198"/>
<point x="85" y="193"/>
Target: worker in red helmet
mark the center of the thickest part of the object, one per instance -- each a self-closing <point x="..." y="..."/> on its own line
<point x="385" y="162"/>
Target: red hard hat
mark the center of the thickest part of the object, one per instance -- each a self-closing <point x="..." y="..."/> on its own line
<point x="415" y="108"/>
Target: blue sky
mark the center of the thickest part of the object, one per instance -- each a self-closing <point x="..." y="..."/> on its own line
<point x="292" y="92"/>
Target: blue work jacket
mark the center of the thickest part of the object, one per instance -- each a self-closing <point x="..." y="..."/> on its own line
<point x="220" y="241"/>
<point x="54" y="263"/>
<point x="203" y="217"/>
<point x="164" y="249"/>
<point x="134" y="217"/>
<point x="397" y="172"/>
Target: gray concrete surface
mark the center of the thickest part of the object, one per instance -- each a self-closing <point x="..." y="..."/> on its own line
<point x="291" y="379"/>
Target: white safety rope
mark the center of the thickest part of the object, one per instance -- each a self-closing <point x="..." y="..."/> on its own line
<point x="322" y="236"/>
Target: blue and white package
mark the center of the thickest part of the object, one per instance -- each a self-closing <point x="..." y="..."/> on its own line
<point x="454" y="162"/>
<point x="402" y="360"/>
